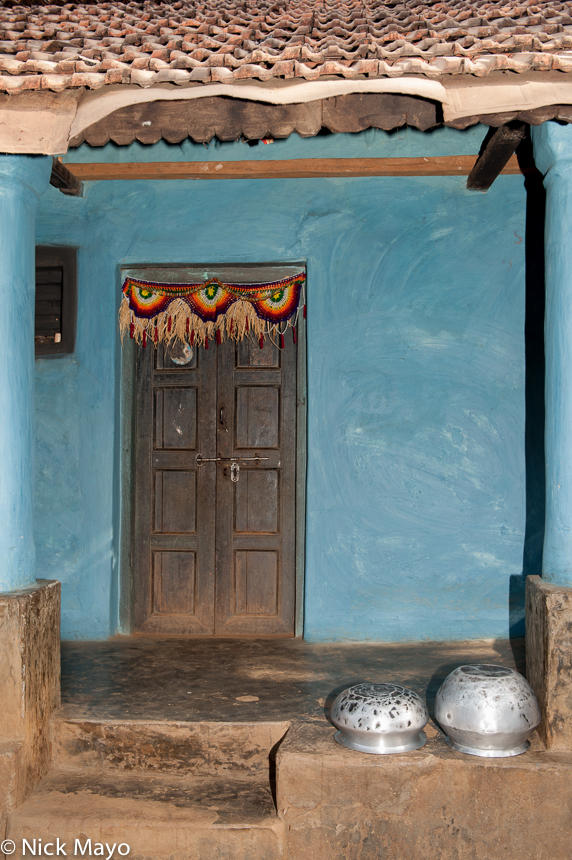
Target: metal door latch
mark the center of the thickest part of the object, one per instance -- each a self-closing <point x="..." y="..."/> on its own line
<point x="234" y="470"/>
<point x="200" y="459"/>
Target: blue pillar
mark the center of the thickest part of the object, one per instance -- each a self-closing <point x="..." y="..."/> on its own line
<point x="553" y="155"/>
<point x="22" y="179"/>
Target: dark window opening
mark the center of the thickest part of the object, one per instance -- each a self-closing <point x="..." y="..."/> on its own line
<point x="56" y="300"/>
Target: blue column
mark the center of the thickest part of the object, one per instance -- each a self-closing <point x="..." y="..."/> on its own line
<point x="553" y="155"/>
<point x="22" y="179"/>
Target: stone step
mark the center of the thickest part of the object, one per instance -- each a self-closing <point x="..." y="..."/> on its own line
<point x="432" y="803"/>
<point x="158" y="816"/>
<point x="201" y="748"/>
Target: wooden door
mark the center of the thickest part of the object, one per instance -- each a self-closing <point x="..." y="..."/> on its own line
<point x="174" y="534"/>
<point x="213" y="555"/>
<point x="256" y="512"/>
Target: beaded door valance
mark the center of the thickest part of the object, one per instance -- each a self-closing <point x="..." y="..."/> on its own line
<point x="212" y="310"/>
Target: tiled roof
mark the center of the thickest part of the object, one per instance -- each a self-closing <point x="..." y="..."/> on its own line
<point x="57" y="47"/>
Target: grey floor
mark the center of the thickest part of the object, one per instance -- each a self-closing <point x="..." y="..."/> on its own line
<point x="248" y="680"/>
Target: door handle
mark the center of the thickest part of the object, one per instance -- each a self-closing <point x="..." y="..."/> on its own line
<point x="222" y="419"/>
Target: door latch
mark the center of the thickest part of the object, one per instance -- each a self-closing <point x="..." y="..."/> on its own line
<point x="234" y="470"/>
<point x="200" y="459"/>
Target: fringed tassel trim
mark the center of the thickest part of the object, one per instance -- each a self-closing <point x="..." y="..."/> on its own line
<point x="178" y="322"/>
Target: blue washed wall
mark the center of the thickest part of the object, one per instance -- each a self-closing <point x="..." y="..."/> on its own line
<point x="22" y="180"/>
<point x="415" y="495"/>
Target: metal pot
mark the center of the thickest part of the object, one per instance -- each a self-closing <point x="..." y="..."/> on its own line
<point x="487" y="710"/>
<point x="379" y="719"/>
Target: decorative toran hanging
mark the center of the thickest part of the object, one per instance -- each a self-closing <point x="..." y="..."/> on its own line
<point x="199" y="313"/>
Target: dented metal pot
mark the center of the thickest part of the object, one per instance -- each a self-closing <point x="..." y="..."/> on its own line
<point x="487" y="710"/>
<point x="379" y="719"/>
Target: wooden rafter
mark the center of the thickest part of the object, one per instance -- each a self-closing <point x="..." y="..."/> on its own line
<point x="499" y="147"/>
<point x="65" y="180"/>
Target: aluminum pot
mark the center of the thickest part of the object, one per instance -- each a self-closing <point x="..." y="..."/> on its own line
<point x="487" y="710"/>
<point x="379" y="719"/>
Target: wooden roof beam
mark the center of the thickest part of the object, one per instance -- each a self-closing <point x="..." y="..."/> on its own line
<point x="301" y="168"/>
<point x="498" y="147"/>
<point x="65" y="180"/>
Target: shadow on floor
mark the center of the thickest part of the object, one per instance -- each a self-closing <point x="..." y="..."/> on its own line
<point x="226" y="680"/>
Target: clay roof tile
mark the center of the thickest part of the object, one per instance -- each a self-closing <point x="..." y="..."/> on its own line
<point x="260" y="39"/>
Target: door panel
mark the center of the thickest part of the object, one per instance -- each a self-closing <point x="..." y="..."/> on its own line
<point x="257" y="417"/>
<point x="175" y="502"/>
<point x="256" y="515"/>
<point x="174" y="523"/>
<point x="247" y="356"/>
<point x="250" y="515"/>
<point x="176" y="418"/>
<point x="214" y="556"/>
<point x="256" y="583"/>
<point x="174" y="583"/>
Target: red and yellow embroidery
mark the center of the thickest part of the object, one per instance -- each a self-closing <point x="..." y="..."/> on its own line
<point x="212" y="309"/>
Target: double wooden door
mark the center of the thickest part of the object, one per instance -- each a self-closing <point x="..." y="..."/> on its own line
<point x="214" y="508"/>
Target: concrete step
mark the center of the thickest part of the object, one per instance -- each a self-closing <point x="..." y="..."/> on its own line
<point x="158" y="816"/>
<point x="201" y="748"/>
<point x="432" y="803"/>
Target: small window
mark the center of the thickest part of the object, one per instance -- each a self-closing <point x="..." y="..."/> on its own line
<point x="56" y="300"/>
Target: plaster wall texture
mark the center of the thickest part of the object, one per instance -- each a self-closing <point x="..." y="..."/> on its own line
<point x="553" y="154"/>
<point x="22" y="180"/>
<point x="415" y="483"/>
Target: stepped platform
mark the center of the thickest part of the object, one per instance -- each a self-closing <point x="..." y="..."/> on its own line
<point x="156" y="815"/>
<point x="189" y="749"/>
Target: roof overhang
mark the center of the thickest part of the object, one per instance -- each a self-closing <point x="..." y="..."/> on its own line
<point x="47" y="122"/>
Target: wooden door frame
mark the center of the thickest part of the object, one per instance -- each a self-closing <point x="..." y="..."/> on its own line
<point x="126" y="435"/>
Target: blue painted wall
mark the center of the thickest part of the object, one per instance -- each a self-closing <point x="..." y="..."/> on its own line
<point x="415" y="495"/>
<point x="22" y="180"/>
<point x="553" y="154"/>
